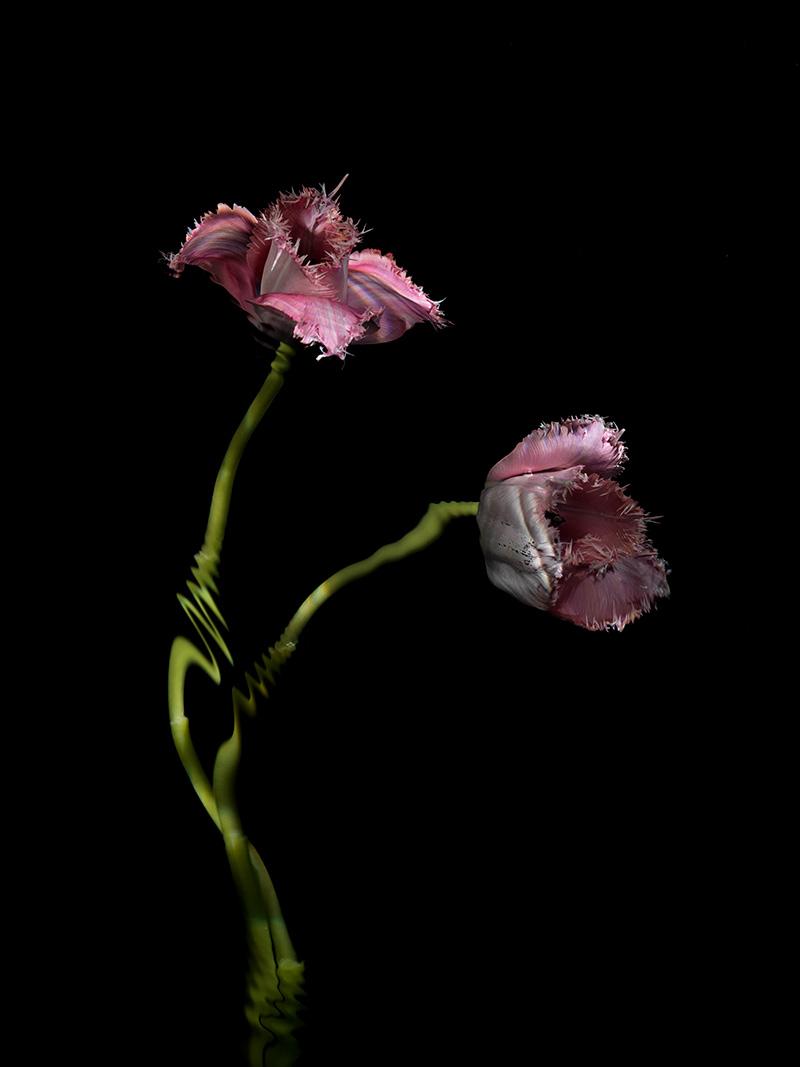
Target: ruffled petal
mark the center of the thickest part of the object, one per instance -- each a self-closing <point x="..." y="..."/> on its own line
<point x="588" y="441"/>
<point x="318" y="320"/>
<point x="316" y="225"/>
<point x="601" y="596"/>
<point x="375" y="283"/>
<point x="519" y="542"/>
<point x="599" y="522"/>
<point x="219" y="244"/>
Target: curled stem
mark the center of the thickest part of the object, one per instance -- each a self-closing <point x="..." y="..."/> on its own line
<point x="430" y="527"/>
<point x="201" y="605"/>
<point x="275" y="976"/>
<point x="275" y="979"/>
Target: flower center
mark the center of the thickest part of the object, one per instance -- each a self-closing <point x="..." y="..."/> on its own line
<point x="316" y="227"/>
<point x="597" y="512"/>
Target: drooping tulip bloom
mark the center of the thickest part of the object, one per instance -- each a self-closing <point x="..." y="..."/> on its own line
<point x="296" y="274"/>
<point x="559" y="535"/>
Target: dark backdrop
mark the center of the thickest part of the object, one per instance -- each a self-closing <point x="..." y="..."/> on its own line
<point x="493" y="834"/>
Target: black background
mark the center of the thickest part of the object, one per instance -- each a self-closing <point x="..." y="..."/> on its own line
<point x="494" y="835"/>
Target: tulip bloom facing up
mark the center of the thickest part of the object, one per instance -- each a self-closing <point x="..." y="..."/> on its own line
<point x="296" y="274"/>
<point x="559" y="535"/>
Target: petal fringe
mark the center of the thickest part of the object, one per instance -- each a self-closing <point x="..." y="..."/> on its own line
<point x="219" y="244"/>
<point x="319" y="320"/>
<point x="314" y="223"/>
<point x="599" y="522"/>
<point x="610" y="595"/>
<point x="588" y="441"/>
<point x="375" y="283"/>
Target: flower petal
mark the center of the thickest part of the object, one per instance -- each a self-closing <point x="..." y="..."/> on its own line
<point x="259" y="246"/>
<point x="599" y="522"/>
<point x="520" y="545"/>
<point x="314" y="221"/>
<point x="375" y="283"/>
<point x="587" y="441"/>
<point x="219" y="244"/>
<point x="601" y="596"/>
<point x="319" y="320"/>
<point x="285" y="272"/>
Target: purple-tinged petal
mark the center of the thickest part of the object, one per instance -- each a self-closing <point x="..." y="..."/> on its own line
<point x="519" y="542"/>
<point x="219" y="244"/>
<point x="259" y="246"/>
<point x="375" y="283"/>
<point x="318" y="320"/>
<point x="587" y="441"/>
<point x="314" y="222"/>
<point x="601" y="596"/>
<point x="599" y="522"/>
<point x="283" y="266"/>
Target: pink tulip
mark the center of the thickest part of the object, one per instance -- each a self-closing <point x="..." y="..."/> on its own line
<point x="560" y="536"/>
<point x="294" y="272"/>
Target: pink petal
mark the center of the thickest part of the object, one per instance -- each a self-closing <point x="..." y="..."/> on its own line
<point x="335" y="278"/>
<point x="285" y="272"/>
<point x="259" y="246"/>
<point x="601" y="596"/>
<point x="587" y="441"/>
<point x="520" y="545"/>
<point x="375" y="283"/>
<point x="599" y="522"/>
<point x="314" y="221"/>
<point x="318" y="320"/>
<point x="219" y="244"/>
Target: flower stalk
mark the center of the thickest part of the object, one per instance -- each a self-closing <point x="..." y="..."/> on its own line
<point x="223" y="487"/>
<point x="429" y="529"/>
<point x="275" y="981"/>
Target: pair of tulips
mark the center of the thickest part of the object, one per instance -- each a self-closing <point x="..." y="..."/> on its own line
<point x="556" y="531"/>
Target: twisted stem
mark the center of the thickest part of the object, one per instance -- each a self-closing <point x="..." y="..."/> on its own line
<point x="275" y="976"/>
<point x="201" y="606"/>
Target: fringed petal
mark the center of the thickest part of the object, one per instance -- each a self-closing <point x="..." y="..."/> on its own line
<point x="219" y="244"/>
<point x="519" y="542"/>
<point x="318" y="320"/>
<point x="602" y="596"/>
<point x="300" y="251"/>
<point x="314" y="222"/>
<point x="375" y="283"/>
<point x="557" y="535"/>
<point x="599" y="522"/>
<point x="588" y="441"/>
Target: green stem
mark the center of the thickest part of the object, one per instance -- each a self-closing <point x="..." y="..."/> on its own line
<point x="201" y="606"/>
<point x="223" y="487"/>
<point x="428" y="529"/>
<point x="275" y="976"/>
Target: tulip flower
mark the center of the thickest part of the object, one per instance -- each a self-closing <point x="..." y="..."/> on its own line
<point x="559" y="535"/>
<point x="296" y="274"/>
